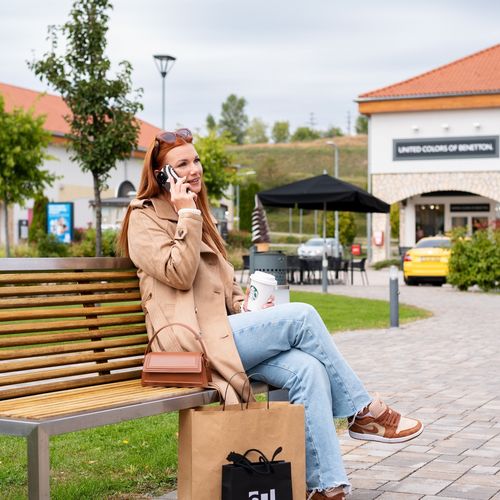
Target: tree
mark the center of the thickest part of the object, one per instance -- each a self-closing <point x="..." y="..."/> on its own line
<point x="216" y="163"/>
<point x="23" y="143"/>
<point x="233" y="119"/>
<point x="347" y="228"/>
<point x="256" y="132"/>
<point x="281" y="132"/>
<point x="333" y="132"/>
<point x="305" y="134"/>
<point x="210" y="123"/>
<point x="102" y="120"/>
<point x="39" y="222"/>
<point x="394" y="218"/>
<point x="248" y="190"/>
<point x="361" y="124"/>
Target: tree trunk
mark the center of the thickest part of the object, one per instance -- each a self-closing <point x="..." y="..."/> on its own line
<point x="98" y="217"/>
<point x="6" y="222"/>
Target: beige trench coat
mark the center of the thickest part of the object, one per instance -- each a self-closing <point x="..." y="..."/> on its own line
<point x="183" y="280"/>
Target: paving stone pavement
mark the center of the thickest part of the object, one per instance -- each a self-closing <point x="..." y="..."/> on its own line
<point x="443" y="370"/>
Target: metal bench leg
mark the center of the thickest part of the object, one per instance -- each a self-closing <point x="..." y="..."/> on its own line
<point x="278" y="395"/>
<point x="38" y="465"/>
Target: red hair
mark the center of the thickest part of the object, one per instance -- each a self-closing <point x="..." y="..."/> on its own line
<point x="149" y="188"/>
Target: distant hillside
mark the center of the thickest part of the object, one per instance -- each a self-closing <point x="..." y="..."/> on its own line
<point x="279" y="164"/>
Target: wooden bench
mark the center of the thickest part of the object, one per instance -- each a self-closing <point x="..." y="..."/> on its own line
<point x="72" y="338"/>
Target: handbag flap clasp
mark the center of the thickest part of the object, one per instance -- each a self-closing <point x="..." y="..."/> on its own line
<point x="173" y="362"/>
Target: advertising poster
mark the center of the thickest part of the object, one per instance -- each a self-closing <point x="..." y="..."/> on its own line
<point x="60" y="220"/>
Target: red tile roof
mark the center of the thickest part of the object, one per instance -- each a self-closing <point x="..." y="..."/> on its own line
<point x="55" y="109"/>
<point x="478" y="73"/>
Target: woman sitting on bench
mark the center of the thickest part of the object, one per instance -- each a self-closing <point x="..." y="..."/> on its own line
<point x="170" y="235"/>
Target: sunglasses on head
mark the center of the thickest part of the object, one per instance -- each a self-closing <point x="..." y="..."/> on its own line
<point x="171" y="137"/>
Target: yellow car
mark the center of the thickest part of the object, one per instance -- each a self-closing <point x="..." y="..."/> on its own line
<point x="427" y="262"/>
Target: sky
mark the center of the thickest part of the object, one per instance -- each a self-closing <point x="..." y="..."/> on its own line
<point x="301" y="61"/>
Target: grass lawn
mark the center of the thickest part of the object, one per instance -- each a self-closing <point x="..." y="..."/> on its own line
<point x="132" y="460"/>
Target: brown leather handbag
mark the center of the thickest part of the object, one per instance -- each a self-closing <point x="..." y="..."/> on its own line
<point x="176" y="369"/>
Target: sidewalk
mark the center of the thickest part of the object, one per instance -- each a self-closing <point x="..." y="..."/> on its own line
<point x="444" y="370"/>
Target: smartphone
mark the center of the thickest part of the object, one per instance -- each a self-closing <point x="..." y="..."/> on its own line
<point x="162" y="177"/>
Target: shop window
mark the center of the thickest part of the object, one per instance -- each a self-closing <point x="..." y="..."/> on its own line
<point x="429" y="220"/>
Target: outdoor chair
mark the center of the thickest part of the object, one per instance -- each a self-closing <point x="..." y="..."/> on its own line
<point x="359" y="266"/>
<point x="292" y="267"/>
<point x="337" y="267"/>
<point x="312" y="269"/>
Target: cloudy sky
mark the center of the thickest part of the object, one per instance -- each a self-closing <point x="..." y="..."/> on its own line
<point x="301" y="61"/>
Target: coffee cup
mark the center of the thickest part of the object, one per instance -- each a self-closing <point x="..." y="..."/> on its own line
<point x="262" y="286"/>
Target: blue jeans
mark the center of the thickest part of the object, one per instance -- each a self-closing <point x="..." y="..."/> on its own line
<point x="288" y="346"/>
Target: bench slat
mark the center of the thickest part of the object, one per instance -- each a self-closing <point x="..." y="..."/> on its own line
<point x="68" y="312"/>
<point x="22" y="340"/>
<point x="68" y="348"/>
<point x="53" y="326"/>
<point x="62" y="300"/>
<point x="87" y="398"/>
<point x="68" y="384"/>
<point x="55" y="277"/>
<point x="71" y="359"/>
<point x="72" y="371"/>
<point x="9" y="291"/>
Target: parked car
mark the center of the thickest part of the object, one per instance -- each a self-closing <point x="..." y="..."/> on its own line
<point x="313" y="248"/>
<point x="427" y="261"/>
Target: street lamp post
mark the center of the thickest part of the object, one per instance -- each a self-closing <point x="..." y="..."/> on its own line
<point x="336" y="175"/>
<point x="164" y="64"/>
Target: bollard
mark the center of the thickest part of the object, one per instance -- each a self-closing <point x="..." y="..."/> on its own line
<point x="394" y="296"/>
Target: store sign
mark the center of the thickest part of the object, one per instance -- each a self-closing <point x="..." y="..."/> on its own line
<point x="469" y="207"/>
<point x="445" y="148"/>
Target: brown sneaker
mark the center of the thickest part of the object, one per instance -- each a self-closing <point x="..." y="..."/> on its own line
<point x="329" y="494"/>
<point x="383" y="424"/>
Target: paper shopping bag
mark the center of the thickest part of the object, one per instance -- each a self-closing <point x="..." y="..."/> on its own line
<point x="208" y="434"/>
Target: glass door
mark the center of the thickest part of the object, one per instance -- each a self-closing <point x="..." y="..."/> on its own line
<point x="429" y="220"/>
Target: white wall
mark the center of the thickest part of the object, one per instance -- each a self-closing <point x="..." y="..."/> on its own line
<point x="385" y="127"/>
<point x="76" y="186"/>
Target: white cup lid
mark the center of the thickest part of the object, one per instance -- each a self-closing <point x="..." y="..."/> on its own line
<point x="264" y="278"/>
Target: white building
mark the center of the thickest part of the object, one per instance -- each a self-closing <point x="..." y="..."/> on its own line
<point x="72" y="185"/>
<point x="433" y="147"/>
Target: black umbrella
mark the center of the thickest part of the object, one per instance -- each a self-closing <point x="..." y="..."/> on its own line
<point x="323" y="192"/>
<point x="327" y="193"/>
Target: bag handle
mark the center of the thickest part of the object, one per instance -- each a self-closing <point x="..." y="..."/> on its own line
<point x="243" y="461"/>
<point x="196" y="335"/>
<point x="247" y="382"/>
<point x="262" y="457"/>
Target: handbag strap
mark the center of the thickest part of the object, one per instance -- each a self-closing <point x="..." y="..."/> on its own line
<point x="196" y="335"/>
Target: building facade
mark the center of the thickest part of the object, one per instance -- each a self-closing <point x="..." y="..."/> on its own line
<point x="433" y="148"/>
<point x="72" y="185"/>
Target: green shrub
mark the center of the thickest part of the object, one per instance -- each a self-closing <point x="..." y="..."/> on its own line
<point x="39" y="221"/>
<point x="47" y="245"/>
<point x="86" y="246"/>
<point x="25" y="250"/>
<point x="475" y="261"/>
<point x="387" y="263"/>
<point x="239" y="239"/>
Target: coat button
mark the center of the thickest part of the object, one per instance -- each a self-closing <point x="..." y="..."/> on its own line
<point x="196" y="310"/>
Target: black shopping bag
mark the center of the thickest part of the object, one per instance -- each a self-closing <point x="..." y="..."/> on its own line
<point x="262" y="480"/>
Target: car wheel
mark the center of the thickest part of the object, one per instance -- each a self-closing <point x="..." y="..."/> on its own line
<point x="410" y="281"/>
